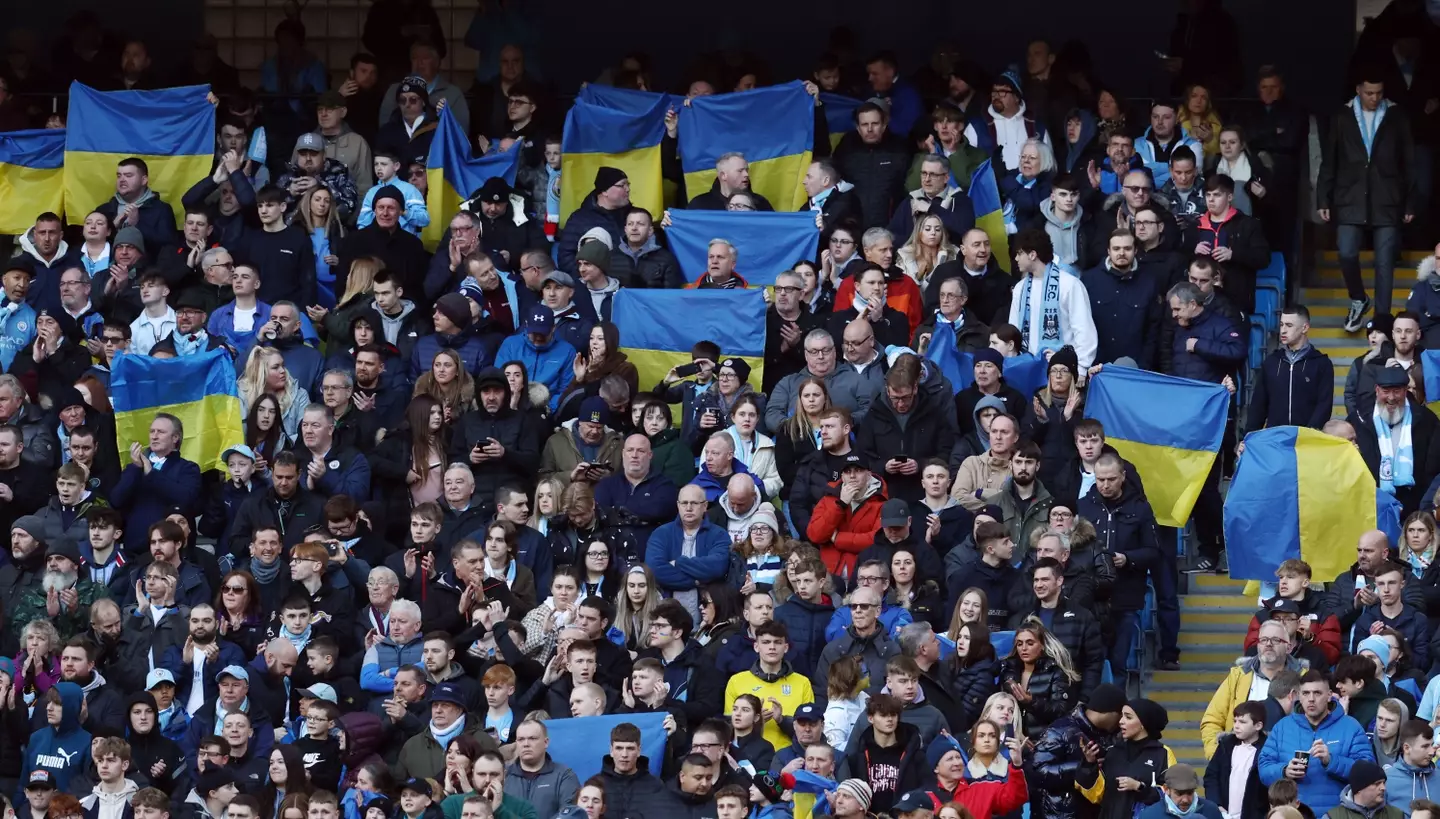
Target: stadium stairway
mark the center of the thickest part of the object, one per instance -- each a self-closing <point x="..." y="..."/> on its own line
<point x="1328" y="302"/>
<point x="1214" y="615"/>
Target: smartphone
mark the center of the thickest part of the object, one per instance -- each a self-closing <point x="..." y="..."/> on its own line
<point x="601" y="469"/>
<point x="900" y="456"/>
<point x="1303" y="756"/>
<point x="687" y="369"/>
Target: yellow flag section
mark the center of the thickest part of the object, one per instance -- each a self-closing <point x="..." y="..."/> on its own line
<point x="172" y="130"/>
<point x="453" y="175"/>
<point x="198" y="389"/>
<point x="1297" y="494"/>
<point x="31" y="177"/>
<point x="662" y="325"/>
<point x="619" y="130"/>
<point x="773" y="127"/>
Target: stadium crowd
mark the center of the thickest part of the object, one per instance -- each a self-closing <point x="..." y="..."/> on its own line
<point x="457" y="518"/>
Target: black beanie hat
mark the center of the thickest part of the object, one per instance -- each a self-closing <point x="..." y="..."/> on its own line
<point x="1152" y="715"/>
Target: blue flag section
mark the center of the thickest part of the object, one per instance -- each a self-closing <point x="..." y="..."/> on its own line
<point x="766" y="244"/>
<point x="1024" y="372"/>
<point x="583" y="742"/>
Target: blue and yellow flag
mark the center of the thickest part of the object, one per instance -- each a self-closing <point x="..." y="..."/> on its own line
<point x="32" y="177"/>
<point x="766" y="244"/>
<point x="198" y="389"/>
<point x="581" y="743"/>
<point x="628" y="100"/>
<point x="1297" y="494"/>
<point x="1024" y="372"/>
<point x="627" y="138"/>
<point x="989" y="213"/>
<point x="453" y="174"/>
<point x="660" y="327"/>
<point x="1173" y="448"/>
<point x="1430" y="361"/>
<point x="839" y="114"/>
<point x="173" y="130"/>
<point x="773" y="127"/>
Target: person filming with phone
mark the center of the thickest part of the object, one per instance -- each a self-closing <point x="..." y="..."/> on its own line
<point x="1316" y="747"/>
<point x="674" y="389"/>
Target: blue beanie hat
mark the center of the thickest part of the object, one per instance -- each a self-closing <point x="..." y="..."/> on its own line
<point x="1377" y="645"/>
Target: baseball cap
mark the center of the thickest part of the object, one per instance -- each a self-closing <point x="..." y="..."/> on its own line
<point x="157" y="676"/>
<point x="320" y="691"/>
<point x="236" y="671"/>
<point x="541" y="319"/>
<point x="238" y="449"/>
<point x="417" y="785"/>
<point x="914" y="800"/>
<point x="40" y="778"/>
<point x="213" y="779"/>
<point x="310" y="142"/>
<point x="853" y="461"/>
<point x="895" y="512"/>
<point x="560" y="277"/>
<point x="809" y="711"/>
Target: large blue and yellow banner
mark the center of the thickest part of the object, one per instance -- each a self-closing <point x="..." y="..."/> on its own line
<point x="773" y="127"/>
<point x="660" y="326"/>
<point x="989" y="213"/>
<point x="766" y="244"/>
<point x="1169" y="428"/>
<point x="32" y="177"/>
<point x="839" y="114"/>
<point x="1025" y="372"/>
<point x="198" y="389"/>
<point x="581" y="743"/>
<point x="625" y="132"/>
<point x="1430" y="361"/>
<point x="1297" y="493"/>
<point x="172" y="129"/>
<point x="453" y="174"/>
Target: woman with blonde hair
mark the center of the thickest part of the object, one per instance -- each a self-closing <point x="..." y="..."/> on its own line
<point x="635" y="606"/>
<point x="265" y="372"/>
<point x="447" y="382"/>
<point x="1418" y="541"/>
<point x="546" y="504"/>
<point x="1200" y="119"/>
<point x="320" y="219"/>
<point x="357" y="298"/>
<point x="800" y="434"/>
<point x="974" y="607"/>
<point x="929" y="247"/>
<point x="1040" y="675"/>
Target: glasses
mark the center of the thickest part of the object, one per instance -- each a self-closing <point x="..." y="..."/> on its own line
<point x="112" y="339"/>
<point x="785" y="288"/>
<point x="727" y="375"/>
<point x="226" y="265"/>
<point x="597" y="554"/>
<point x="692" y="503"/>
<point x="819" y="351"/>
<point x="1273" y="641"/>
<point x="707" y="602"/>
<point x="1062" y="514"/>
<point x="865" y="581"/>
<point x="929" y="175"/>
<point x="864" y="606"/>
<point x="235" y="590"/>
<point x="706" y="745"/>
<point x="842" y="241"/>
<point x="1147" y="222"/>
<point x="950" y="296"/>
<point x="1137" y="188"/>
<point x="72" y="283"/>
<point x="739" y="206"/>
<point x="859" y="342"/>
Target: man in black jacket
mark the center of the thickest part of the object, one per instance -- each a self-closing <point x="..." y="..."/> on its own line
<point x="404" y="256"/>
<point x="1233" y="240"/>
<point x="1126" y="531"/>
<point x="286" y="506"/>
<point x="907" y="426"/>
<point x="640" y="261"/>
<point x="499" y="443"/>
<point x="1404" y="419"/>
<point x="1071" y="624"/>
<point x="732" y="175"/>
<point x="1071" y="743"/>
<point x="1125" y="304"/>
<point x="505" y="232"/>
<point x="1367" y="180"/>
<point x="143" y="208"/>
<point x="875" y="161"/>
<point x="835" y="206"/>
<point x="281" y="252"/>
<point x="1297" y="381"/>
<point x="987" y="285"/>
<point x="786" y="323"/>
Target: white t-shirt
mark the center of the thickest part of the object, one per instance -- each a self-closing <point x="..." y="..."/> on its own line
<point x="244" y="319"/>
<point x="197" y="683"/>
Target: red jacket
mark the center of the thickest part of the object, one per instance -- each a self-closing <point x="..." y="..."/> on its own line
<point x="987" y="798"/>
<point x="901" y="293"/>
<point x="843" y="534"/>
<point x="1324" y="633"/>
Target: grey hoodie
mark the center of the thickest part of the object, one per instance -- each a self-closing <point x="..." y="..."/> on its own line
<point x="598" y="297"/>
<point x="392" y="323"/>
<point x="1065" y="236"/>
<point x="992" y="402"/>
<point x="550" y="789"/>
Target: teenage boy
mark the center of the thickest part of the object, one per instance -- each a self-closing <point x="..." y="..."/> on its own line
<point x="1232" y="777"/>
<point x="779" y="687"/>
<point x="414" y="216"/>
<point x="572" y="666"/>
<point x="294" y="622"/>
<point x="887" y="753"/>
<point x="415" y="565"/>
<point x="1317" y="626"/>
<point x="110" y="798"/>
<point x="105" y="563"/>
<point x="499" y="682"/>
<point x="902" y="681"/>
<point x="321" y="656"/>
<point x="807" y="613"/>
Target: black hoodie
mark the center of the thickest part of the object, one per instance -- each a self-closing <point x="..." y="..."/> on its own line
<point x="152" y="749"/>
<point x="891" y="770"/>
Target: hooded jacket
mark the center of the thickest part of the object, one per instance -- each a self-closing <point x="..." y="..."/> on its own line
<point x="1322" y="785"/>
<point x="1298" y="392"/>
<point x="102" y="805"/>
<point x="843" y="530"/>
<point x="147" y="749"/>
<point x="474" y="354"/>
<point x="514" y="430"/>
<point x="1405" y="783"/>
<point x="587" y="217"/>
<point x="62" y="749"/>
<point x="1057" y="762"/>
<point x="806" y="623"/>
<point x="926" y="431"/>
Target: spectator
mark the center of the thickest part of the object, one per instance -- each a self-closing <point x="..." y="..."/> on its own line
<point x="1383" y="427"/>
<point x="1318" y="626"/>
<point x="1275" y="400"/>
<point x="873" y="159"/>
<point x="1337" y="748"/>
<point x="831" y="197"/>
<point x="1004" y="125"/>
<point x="1248" y="682"/>
<point x="604" y="208"/>
<point x="387" y="165"/>
<point x="1055" y="311"/>
<point x="283" y="254"/>
<point x="994" y="573"/>
<point x="137" y="205"/>
<point x="1070" y="745"/>
<point x="1232" y="239"/>
<point x="732" y="174"/>
<point x="1125" y="304"/>
<point x="425" y="57"/>
<point x="1410" y="773"/>
<point x="1160" y="142"/>
<point x="1179" y="192"/>
<point x="1069" y="622"/>
<point x="986" y="471"/>
<point x="936" y="195"/>
<point x="1067" y="222"/>
<point x="1124" y="521"/>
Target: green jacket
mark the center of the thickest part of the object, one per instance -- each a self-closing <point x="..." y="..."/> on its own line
<point x="511" y="807"/>
<point x="962" y="165"/>
<point x="423" y="757"/>
<point x="672" y="458"/>
<point x="1021" y="525"/>
<point x="69" y="622"/>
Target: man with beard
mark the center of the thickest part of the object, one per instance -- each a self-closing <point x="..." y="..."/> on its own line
<point x="64" y="597"/>
<point x="196" y="664"/>
<point x="387" y="405"/>
<point x="26" y="567"/>
<point x="166" y="541"/>
<point x="104" y="704"/>
<point x="1397" y="437"/>
<point x="22" y="484"/>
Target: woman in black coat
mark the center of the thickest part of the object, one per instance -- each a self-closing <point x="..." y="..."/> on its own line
<point x="974" y="670"/>
<point x="1039" y="674"/>
<point x="1130" y="764"/>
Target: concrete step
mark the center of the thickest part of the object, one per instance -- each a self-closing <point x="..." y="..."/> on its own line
<point x="1411" y="257"/>
<point x="1237" y="620"/>
<point x="1216" y="583"/>
<point x="1217" y="601"/>
<point x="1189" y="700"/>
<point x="1187" y="679"/>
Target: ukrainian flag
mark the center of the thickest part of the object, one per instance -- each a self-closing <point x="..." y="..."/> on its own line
<point x="1173" y="448"/>
<point x="581" y="744"/>
<point x="628" y="100"/>
<point x="1430" y="362"/>
<point x="773" y="127"/>
<point x="32" y="177"/>
<point x="989" y="213"/>
<point x="1297" y="493"/>
<point x="173" y="130"/>
<point x="767" y="243"/>
<point x="199" y="389"/>
<point x="627" y="138"/>
<point x="453" y="174"/>
<point x="839" y="115"/>
<point x="660" y="327"/>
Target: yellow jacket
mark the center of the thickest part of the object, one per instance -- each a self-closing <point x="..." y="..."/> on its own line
<point x="1235" y="689"/>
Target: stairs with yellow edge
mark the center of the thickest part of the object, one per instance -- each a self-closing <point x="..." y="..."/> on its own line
<point x="1214" y="616"/>
<point x="1328" y="302"/>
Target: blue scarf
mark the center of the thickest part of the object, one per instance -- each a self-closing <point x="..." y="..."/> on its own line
<point x="444" y="736"/>
<point x="1397" y="457"/>
<point x="298" y="640"/>
<point x="1050" y="313"/>
<point x="191" y="344"/>
<point x="1368" y="137"/>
